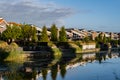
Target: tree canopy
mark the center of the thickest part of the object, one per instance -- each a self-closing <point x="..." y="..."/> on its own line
<point x="62" y="35"/>
<point x="54" y="33"/>
<point x="44" y="36"/>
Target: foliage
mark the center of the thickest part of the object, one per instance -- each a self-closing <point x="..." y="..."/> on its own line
<point x="104" y="39"/>
<point x="44" y="73"/>
<point x="100" y="37"/>
<point x="75" y="47"/>
<point x="3" y="54"/>
<point x="54" y="71"/>
<point x="97" y="45"/>
<point x="56" y="51"/>
<point x="62" y="36"/>
<point x="114" y="42"/>
<point x="119" y="42"/>
<point x="44" y="36"/>
<point x="63" y="70"/>
<point x="54" y="33"/>
<point x="86" y="39"/>
<point x="28" y="33"/>
<point x="11" y="33"/>
<point x="10" y="52"/>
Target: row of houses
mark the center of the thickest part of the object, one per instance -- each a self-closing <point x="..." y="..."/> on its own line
<point x="72" y="33"/>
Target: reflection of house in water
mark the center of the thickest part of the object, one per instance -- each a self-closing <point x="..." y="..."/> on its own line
<point x="88" y="56"/>
<point x="39" y="67"/>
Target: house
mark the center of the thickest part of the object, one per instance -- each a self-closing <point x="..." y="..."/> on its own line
<point x="78" y="35"/>
<point x="86" y="46"/>
<point x="69" y="35"/>
<point x="3" y="25"/>
<point x="92" y="34"/>
<point x="14" y="24"/>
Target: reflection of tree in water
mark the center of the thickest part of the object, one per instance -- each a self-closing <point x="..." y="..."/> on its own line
<point x="63" y="70"/>
<point x="110" y="55"/>
<point x="116" y="76"/>
<point x="34" y="73"/>
<point x="100" y="56"/>
<point x="104" y="57"/>
<point x="54" y="70"/>
<point x="13" y="76"/>
<point x="12" y="73"/>
<point x="44" y="73"/>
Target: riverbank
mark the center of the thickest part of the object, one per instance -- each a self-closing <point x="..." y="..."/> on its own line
<point x="11" y="52"/>
<point x="58" y="49"/>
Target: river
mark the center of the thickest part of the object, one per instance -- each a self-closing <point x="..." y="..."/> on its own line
<point x="89" y="66"/>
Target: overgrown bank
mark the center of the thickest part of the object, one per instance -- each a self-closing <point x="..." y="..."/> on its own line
<point x="10" y="52"/>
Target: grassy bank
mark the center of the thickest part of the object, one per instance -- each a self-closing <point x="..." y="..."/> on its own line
<point x="10" y="52"/>
<point x="56" y="51"/>
<point x="69" y="47"/>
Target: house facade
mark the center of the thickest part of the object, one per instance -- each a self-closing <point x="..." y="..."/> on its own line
<point x="3" y="25"/>
<point x="86" y="46"/>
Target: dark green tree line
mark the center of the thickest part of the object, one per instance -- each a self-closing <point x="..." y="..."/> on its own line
<point x="62" y="35"/>
<point x="44" y="36"/>
<point x="54" y="33"/>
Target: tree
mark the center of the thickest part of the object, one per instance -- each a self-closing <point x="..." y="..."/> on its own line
<point x="44" y="36"/>
<point x="54" y="71"/>
<point x="104" y="39"/>
<point x="62" y="36"/>
<point x="86" y="39"/>
<point x="28" y="33"/>
<point x="44" y="73"/>
<point x="54" y="33"/>
<point x="63" y="70"/>
<point x="99" y="37"/>
<point x="11" y="33"/>
<point x="34" y="36"/>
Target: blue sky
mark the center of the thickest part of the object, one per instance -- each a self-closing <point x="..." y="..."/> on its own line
<point x="99" y="15"/>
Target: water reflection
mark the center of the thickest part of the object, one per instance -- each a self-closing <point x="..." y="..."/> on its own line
<point x="40" y="66"/>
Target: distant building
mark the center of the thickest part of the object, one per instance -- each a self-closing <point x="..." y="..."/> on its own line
<point x="3" y="25"/>
<point x="92" y="34"/>
<point x="86" y="46"/>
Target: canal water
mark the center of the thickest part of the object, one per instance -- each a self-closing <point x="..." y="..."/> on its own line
<point x="90" y="66"/>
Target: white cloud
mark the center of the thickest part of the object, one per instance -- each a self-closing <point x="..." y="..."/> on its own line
<point x="33" y="12"/>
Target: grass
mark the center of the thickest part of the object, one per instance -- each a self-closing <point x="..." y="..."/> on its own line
<point x="10" y="52"/>
<point x="76" y="47"/>
<point x="55" y="50"/>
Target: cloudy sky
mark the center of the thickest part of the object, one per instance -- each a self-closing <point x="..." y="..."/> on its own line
<point x="99" y="15"/>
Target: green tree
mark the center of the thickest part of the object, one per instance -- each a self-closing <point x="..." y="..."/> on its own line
<point x="34" y="36"/>
<point x="28" y="33"/>
<point x="11" y="33"/>
<point x="44" y="36"/>
<point x="54" y="71"/>
<point x="86" y="39"/>
<point x="63" y="70"/>
<point x="62" y="35"/>
<point x="54" y="33"/>
<point x="104" y="39"/>
<point x="44" y="73"/>
<point x="99" y="37"/>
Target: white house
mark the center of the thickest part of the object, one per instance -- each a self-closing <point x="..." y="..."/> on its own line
<point x="3" y="25"/>
<point x="86" y="46"/>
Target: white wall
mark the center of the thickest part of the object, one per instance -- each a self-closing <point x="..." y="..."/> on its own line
<point x="89" y="46"/>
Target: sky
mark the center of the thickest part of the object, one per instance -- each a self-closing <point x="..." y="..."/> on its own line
<point x="98" y="15"/>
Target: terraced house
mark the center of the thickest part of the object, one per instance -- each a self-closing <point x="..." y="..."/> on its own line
<point x="3" y="25"/>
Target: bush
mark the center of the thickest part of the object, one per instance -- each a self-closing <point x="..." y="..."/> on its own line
<point x="10" y="52"/>
<point x="97" y="45"/>
<point x="3" y="54"/>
